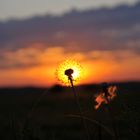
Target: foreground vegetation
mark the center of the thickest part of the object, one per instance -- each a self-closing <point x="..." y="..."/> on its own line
<point x="52" y="114"/>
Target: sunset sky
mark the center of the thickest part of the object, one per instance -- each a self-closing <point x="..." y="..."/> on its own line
<point x="106" y="41"/>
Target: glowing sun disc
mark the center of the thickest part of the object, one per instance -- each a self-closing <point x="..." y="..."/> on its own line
<point x="69" y="64"/>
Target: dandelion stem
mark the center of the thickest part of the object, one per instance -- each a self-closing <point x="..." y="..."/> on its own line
<point x="80" y="109"/>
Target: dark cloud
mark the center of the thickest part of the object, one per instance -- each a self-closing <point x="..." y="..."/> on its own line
<point x="102" y="29"/>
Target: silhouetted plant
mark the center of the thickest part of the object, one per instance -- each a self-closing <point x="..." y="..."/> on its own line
<point x="69" y="72"/>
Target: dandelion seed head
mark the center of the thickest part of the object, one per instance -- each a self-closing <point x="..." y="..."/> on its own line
<point x="67" y="68"/>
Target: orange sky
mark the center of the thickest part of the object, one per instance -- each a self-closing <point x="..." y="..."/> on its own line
<point x="99" y="66"/>
<point x="105" y="41"/>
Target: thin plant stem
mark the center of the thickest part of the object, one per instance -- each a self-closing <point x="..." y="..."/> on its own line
<point x="80" y="109"/>
<point x="93" y="122"/>
<point x="100" y="132"/>
<point x="29" y="115"/>
<point x="37" y="103"/>
<point x="53" y="135"/>
<point x="13" y="127"/>
<point x="112" y="122"/>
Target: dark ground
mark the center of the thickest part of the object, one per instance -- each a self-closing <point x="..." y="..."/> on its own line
<point x="52" y="114"/>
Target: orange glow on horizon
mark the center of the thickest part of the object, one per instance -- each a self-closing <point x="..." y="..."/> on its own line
<point x="40" y="66"/>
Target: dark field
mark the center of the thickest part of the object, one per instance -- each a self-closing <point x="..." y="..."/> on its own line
<point x="52" y="114"/>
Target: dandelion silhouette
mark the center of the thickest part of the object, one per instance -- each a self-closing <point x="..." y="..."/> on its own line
<point x="69" y="72"/>
<point x="69" y="69"/>
<point x="106" y="96"/>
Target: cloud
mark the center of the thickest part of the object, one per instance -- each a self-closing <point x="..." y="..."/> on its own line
<point x="36" y="56"/>
<point x="106" y="42"/>
<point x="35" y="66"/>
<point x="101" y="29"/>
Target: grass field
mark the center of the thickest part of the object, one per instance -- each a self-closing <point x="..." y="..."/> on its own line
<point x="52" y="114"/>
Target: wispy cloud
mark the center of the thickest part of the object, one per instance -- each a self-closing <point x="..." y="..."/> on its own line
<point x="31" y="63"/>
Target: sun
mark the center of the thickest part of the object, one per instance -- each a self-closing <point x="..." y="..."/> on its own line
<point x="69" y="64"/>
